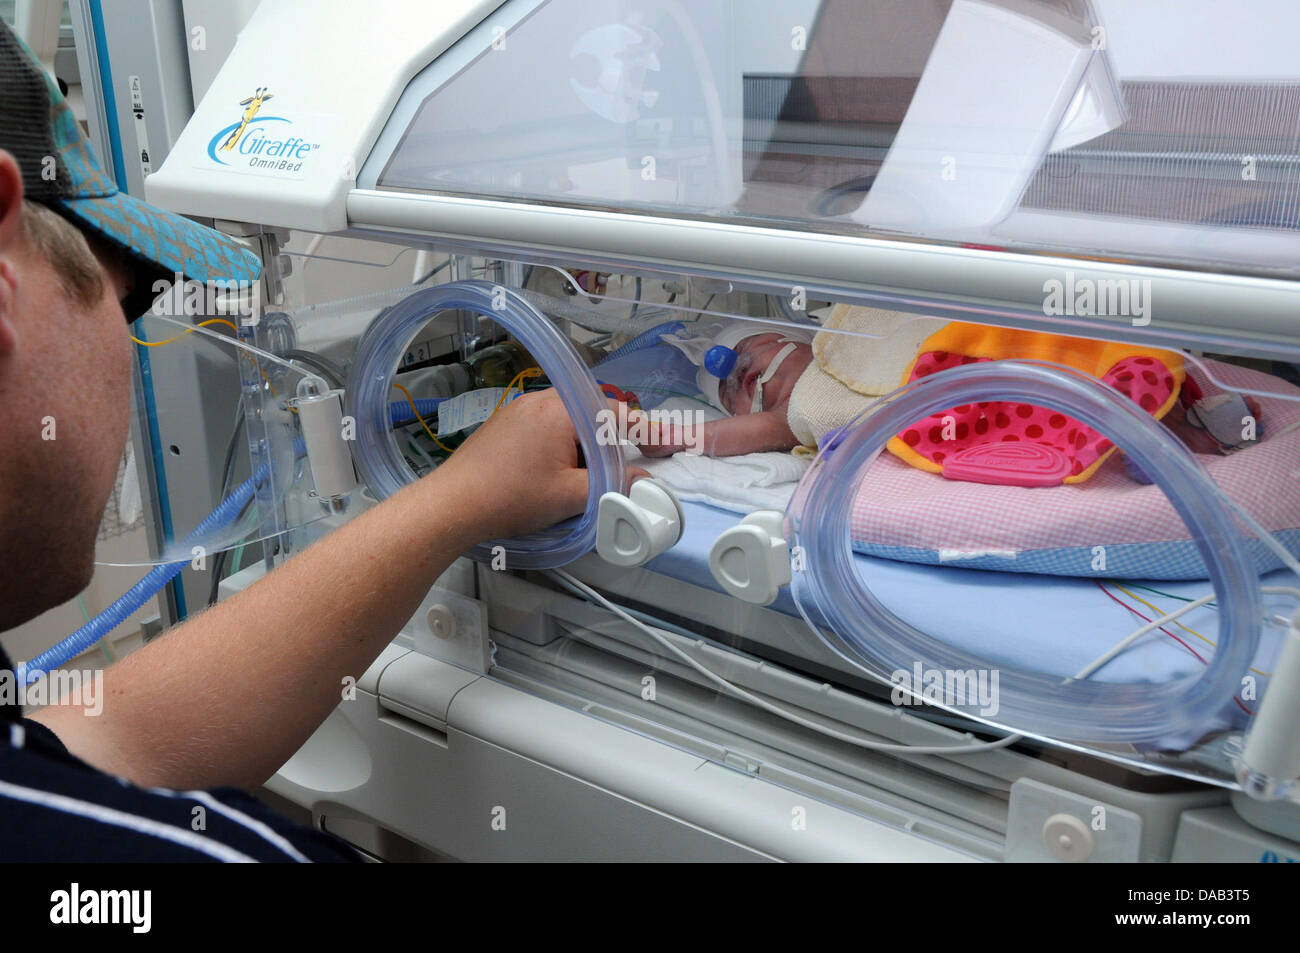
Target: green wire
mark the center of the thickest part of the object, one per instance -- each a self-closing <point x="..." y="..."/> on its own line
<point x="1167" y="595"/>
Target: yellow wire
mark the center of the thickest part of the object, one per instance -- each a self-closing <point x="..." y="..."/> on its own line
<point x="1160" y="612"/>
<point x="204" y="324"/>
<point x="523" y="375"/>
<point x="526" y="374"/>
<point x="411" y="400"/>
<point x="201" y="324"/>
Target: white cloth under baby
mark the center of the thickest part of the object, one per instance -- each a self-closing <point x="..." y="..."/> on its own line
<point x="743" y="484"/>
<point x="861" y="354"/>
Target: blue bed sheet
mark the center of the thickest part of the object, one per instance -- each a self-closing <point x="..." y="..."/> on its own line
<point x="1052" y="624"/>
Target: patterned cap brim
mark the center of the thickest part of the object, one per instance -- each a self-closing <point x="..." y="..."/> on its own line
<point x="164" y="243"/>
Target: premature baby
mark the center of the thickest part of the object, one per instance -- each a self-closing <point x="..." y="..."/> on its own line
<point x="748" y="373"/>
<point x="784" y="390"/>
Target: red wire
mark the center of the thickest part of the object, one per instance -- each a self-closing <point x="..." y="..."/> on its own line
<point x="1114" y="598"/>
<point x="1117" y="599"/>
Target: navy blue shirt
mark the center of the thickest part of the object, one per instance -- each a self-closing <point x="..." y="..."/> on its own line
<point x="55" y="807"/>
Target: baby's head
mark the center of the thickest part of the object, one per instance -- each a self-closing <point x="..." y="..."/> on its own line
<point x="767" y="367"/>
<point x="743" y="367"/>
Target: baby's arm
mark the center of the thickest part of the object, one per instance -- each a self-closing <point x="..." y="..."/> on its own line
<point x="729" y="437"/>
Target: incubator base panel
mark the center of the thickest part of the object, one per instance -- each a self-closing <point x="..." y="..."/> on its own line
<point x="552" y="757"/>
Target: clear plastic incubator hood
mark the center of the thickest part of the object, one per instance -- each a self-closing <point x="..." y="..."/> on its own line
<point x="960" y="338"/>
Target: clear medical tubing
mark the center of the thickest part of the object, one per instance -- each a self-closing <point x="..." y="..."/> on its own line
<point x="135" y="597"/>
<point x="385" y="470"/>
<point x="835" y="601"/>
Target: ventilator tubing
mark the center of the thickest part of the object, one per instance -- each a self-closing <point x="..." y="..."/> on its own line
<point x="137" y="595"/>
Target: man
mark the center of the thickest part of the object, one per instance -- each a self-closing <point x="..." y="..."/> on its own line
<point x="223" y="700"/>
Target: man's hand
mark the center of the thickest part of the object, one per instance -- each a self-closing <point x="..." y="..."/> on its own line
<point x="519" y="472"/>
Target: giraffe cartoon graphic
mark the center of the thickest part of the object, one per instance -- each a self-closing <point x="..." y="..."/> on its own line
<point x="251" y="105"/>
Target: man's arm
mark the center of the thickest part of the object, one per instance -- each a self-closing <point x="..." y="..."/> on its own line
<point x="227" y="697"/>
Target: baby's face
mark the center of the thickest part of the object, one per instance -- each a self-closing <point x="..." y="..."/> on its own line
<point x="753" y="355"/>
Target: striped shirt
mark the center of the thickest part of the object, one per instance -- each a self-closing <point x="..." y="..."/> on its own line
<point x="55" y="807"/>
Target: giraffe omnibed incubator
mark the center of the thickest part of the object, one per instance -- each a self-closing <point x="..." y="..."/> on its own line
<point x="962" y="346"/>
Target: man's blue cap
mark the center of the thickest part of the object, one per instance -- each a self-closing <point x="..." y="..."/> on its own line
<point x="60" y="170"/>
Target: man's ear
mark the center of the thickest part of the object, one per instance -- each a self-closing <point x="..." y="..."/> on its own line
<point x="11" y="218"/>
<point x="11" y="201"/>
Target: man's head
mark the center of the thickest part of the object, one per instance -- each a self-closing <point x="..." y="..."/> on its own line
<point x="65" y="372"/>
<point x="73" y="248"/>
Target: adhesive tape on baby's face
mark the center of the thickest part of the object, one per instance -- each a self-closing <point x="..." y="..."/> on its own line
<point x="714" y="351"/>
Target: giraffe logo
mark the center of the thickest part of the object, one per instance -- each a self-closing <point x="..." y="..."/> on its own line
<point x="261" y="143"/>
<point x="251" y="106"/>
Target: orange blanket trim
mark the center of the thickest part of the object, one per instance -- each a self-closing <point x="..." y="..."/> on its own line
<point x="1091" y="357"/>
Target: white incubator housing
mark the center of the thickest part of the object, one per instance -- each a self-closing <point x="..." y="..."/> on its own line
<point x="961" y="345"/>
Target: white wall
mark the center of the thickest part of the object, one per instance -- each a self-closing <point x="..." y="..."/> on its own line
<point x="33" y="637"/>
<point x="1190" y="39"/>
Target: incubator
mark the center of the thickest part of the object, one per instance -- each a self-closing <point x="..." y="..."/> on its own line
<point x="960" y="340"/>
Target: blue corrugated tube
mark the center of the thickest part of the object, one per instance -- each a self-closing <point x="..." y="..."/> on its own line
<point x="159" y="576"/>
<point x="644" y="340"/>
<point x="400" y="410"/>
<point x="137" y="595"/>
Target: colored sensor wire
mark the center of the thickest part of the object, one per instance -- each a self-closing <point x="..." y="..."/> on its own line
<point x="201" y="324"/>
<point x="1114" y="598"/>
<point x="1158" y="611"/>
<point x="423" y="423"/>
<point x="204" y="324"/>
<point x="526" y="374"/>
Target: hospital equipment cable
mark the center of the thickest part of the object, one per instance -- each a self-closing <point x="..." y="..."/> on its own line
<point x="1120" y="602"/>
<point x="1159" y="592"/>
<point x="1156" y="609"/>
<point x="575" y="585"/>
<point x="411" y="400"/>
<point x="1197" y="655"/>
<point x="447" y="261"/>
<point x="1175" y="615"/>
<point x="191" y="330"/>
<point x="767" y="706"/>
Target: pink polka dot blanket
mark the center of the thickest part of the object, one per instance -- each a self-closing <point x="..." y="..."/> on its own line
<point x="1090" y="515"/>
